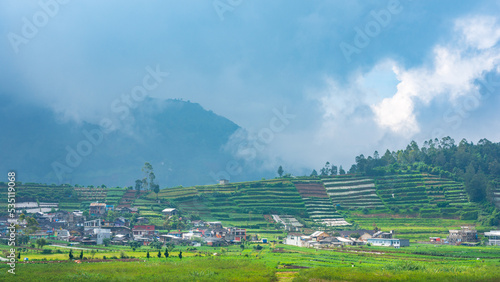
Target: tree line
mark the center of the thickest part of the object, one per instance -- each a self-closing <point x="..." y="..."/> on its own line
<point x="478" y="165"/>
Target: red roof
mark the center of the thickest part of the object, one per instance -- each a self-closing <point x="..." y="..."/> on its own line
<point x="144" y="227"/>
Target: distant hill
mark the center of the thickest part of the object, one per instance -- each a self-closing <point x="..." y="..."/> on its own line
<point x="410" y="200"/>
<point x="180" y="139"/>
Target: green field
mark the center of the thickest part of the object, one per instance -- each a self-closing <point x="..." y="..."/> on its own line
<point x="272" y="263"/>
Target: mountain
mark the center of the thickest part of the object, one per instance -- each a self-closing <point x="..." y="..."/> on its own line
<point x="181" y="140"/>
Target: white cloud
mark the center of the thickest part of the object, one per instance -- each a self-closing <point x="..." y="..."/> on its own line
<point x="455" y="69"/>
<point x="479" y="32"/>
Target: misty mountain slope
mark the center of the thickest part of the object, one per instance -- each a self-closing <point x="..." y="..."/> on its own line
<point x="180" y="139"/>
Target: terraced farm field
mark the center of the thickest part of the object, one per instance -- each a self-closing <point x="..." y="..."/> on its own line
<point x="431" y="195"/>
<point x="318" y="204"/>
<point x="352" y="192"/>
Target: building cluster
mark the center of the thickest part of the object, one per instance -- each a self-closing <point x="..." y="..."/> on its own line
<point x="94" y="229"/>
<point x="321" y="239"/>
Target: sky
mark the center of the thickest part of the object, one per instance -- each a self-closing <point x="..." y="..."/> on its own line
<point x="308" y="81"/>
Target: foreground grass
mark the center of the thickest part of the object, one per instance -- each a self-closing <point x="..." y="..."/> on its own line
<point x="190" y="269"/>
<point x="403" y="271"/>
<point x="286" y="263"/>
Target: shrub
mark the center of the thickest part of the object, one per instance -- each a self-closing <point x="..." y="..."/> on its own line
<point x="472" y="215"/>
<point x="258" y="247"/>
<point x="442" y="204"/>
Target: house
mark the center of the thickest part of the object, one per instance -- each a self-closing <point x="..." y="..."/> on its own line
<point x="216" y="242"/>
<point x="39" y="235"/>
<point x="294" y="239"/>
<point x="396" y="243"/>
<point x="169" y="212"/>
<point x="435" y="240"/>
<point x="97" y="209"/>
<point x="91" y="224"/>
<point x="63" y="235"/>
<point x="384" y="235"/>
<point x="465" y="234"/>
<point x="493" y="237"/>
<point x="236" y="234"/>
<point x="142" y="221"/>
<point x="121" y="230"/>
<point x="214" y="224"/>
<point x="110" y="207"/>
<point x="223" y="182"/>
<point x="319" y="235"/>
<point x="144" y="231"/>
<point x="170" y="238"/>
<point x="192" y="234"/>
<point x="126" y="210"/>
<point x="101" y="234"/>
<point x="198" y="223"/>
<point x="120" y="221"/>
<point x="329" y="241"/>
<point x="345" y="241"/>
<point x="120" y="239"/>
<point x="88" y="241"/>
<point x="364" y="233"/>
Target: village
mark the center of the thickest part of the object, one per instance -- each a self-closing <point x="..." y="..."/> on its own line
<point x="128" y="227"/>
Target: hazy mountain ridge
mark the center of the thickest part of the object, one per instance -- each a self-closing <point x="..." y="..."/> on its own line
<point x="180" y="139"/>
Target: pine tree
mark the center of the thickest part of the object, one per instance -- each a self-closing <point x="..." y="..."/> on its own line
<point x="81" y="255"/>
<point x="159" y="254"/>
<point x="147" y="255"/>
<point x="166" y="253"/>
<point x="180" y="254"/>
<point x="70" y="254"/>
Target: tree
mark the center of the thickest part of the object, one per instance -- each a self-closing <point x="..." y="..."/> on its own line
<point x="147" y="169"/>
<point x="18" y="254"/>
<point x="70" y="254"/>
<point x="159" y="254"/>
<point x="280" y="171"/>
<point x="41" y="242"/>
<point x="156" y="189"/>
<point x="325" y="170"/>
<point x="106" y="242"/>
<point x="333" y="170"/>
<point x="31" y="225"/>
<point x="92" y="253"/>
<point x="355" y="235"/>
<point x="134" y="244"/>
<point x="314" y="173"/>
<point x="81" y="255"/>
<point x="341" y="170"/>
<point x="156" y="245"/>
<point x="138" y="184"/>
<point x="166" y="252"/>
<point x="242" y="247"/>
<point x="180" y="254"/>
<point x="147" y="255"/>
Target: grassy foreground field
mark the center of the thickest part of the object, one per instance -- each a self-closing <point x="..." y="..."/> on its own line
<point x="273" y="263"/>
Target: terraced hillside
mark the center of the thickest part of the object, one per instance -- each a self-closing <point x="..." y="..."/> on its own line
<point x="242" y="204"/>
<point x="318" y="204"/>
<point x="352" y="192"/>
<point x="430" y="195"/>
